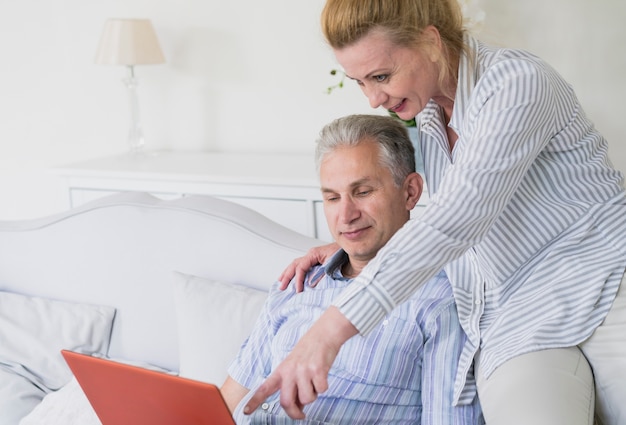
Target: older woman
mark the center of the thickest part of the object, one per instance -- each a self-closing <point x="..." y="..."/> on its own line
<point x="527" y="217"/>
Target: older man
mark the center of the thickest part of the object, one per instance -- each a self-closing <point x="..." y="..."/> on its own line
<point x="403" y="371"/>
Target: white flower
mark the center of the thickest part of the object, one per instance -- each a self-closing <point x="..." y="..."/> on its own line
<point x="473" y="14"/>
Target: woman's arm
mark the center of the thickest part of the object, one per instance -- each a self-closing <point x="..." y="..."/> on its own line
<point x="304" y="373"/>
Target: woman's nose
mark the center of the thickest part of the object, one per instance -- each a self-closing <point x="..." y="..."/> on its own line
<point x="375" y="96"/>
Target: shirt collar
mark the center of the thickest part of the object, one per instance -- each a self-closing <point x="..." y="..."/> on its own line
<point x="468" y="75"/>
<point x="466" y="80"/>
<point x="332" y="267"/>
<point x="431" y="120"/>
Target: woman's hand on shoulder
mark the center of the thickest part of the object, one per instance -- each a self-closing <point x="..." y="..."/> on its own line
<point x="298" y="268"/>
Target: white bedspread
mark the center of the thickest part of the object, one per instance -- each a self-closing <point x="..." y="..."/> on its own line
<point x="67" y="406"/>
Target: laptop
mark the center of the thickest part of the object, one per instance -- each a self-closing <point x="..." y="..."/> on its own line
<point x="122" y="394"/>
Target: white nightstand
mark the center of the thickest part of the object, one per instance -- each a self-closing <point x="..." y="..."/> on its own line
<point x="283" y="187"/>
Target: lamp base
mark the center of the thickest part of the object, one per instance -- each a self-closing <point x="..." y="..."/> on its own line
<point x="136" y="141"/>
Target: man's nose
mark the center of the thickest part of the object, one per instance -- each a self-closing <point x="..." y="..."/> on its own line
<point x="349" y="211"/>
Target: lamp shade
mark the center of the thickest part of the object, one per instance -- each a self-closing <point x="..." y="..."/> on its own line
<point x="129" y="42"/>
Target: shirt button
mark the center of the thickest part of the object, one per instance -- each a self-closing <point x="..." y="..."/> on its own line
<point x="265" y="406"/>
<point x="478" y="302"/>
<point x="385" y="322"/>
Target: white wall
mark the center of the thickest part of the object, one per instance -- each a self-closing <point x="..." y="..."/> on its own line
<point x="241" y="75"/>
<point x="585" y="41"/>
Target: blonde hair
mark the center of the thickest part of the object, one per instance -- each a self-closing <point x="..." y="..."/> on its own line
<point x="344" y="22"/>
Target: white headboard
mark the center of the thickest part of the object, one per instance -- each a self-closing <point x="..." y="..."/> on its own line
<point x="121" y="251"/>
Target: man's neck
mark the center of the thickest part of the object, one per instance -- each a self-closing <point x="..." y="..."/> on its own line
<point x="352" y="269"/>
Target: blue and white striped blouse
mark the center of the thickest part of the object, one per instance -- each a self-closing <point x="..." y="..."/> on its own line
<point x="401" y="373"/>
<point x="526" y="216"/>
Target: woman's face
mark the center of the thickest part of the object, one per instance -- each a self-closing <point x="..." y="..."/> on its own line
<point x="399" y="79"/>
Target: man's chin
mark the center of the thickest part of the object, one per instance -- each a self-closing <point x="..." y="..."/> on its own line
<point x="360" y="254"/>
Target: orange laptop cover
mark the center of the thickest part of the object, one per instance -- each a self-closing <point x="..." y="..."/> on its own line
<point x="122" y="394"/>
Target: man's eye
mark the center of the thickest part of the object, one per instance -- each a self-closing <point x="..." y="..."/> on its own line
<point x="380" y="78"/>
<point x="364" y="192"/>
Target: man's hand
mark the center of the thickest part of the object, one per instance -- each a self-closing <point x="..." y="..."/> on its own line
<point x="300" y="266"/>
<point x="304" y="372"/>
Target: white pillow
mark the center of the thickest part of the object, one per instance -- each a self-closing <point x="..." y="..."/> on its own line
<point x="214" y="319"/>
<point x="33" y="331"/>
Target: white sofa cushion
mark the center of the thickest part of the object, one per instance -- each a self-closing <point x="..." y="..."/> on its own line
<point x="33" y="330"/>
<point x="214" y="319"/>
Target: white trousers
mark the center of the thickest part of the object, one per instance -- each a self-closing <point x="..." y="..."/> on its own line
<point x="554" y="387"/>
<point x="606" y="352"/>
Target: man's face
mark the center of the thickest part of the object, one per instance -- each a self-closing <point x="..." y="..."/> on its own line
<point x="362" y="205"/>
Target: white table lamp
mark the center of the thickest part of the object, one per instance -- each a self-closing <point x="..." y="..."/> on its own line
<point x="130" y="42"/>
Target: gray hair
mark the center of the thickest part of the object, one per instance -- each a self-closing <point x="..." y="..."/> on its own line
<point x="396" y="150"/>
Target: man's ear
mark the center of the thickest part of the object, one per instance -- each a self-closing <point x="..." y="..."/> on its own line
<point x="413" y="185"/>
